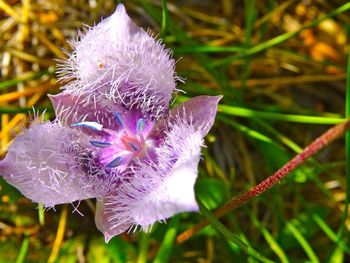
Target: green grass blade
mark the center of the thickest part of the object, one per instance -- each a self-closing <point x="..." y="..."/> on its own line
<point x="23" y="110"/>
<point x="245" y="130"/>
<point x="168" y="241"/>
<point x="254" y="114"/>
<point x="25" y="77"/>
<point x="303" y="243"/>
<point x="207" y="49"/>
<point x="324" y="226"/>
<point x="41" y="213"/>
<point x="143" y="247"/>
<point x="248" y="113"/>
<point x="230" y="236"/>
<point x="330" y="233"/>
<point x="279" y="39"/>
<point x="121" y="251"/>
<point x="23" y="250"/>
<point x="337" y="256"/>
<point x="342" y="229"/>
<point x="282" y="138"/>
<point x="275" y="247"/>
<point x="165" y="18"/>
<point x="274" y="9"/>
<point x="249" y="22"/>
<point x="347" y="152"/>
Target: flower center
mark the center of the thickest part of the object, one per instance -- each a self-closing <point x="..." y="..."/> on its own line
<point x="130" y="141"/>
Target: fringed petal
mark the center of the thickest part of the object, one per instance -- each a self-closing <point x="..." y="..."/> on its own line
<point x="175" y="194"/>
<point x="42" y="163"/>
<point x="104" y="225"/>
<point x="156" y="191"/>
<point x="199" y="111"/>
<point x="71" y="109"/>
<point x="118" y="61"/>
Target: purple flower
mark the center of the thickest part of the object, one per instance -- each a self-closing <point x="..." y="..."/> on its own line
<point x="115" y="138"/>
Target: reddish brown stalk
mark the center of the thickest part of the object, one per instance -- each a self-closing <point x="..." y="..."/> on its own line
<point x="318" y="144"/>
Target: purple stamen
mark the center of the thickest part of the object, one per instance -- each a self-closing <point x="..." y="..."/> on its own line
<point x="133" y="146"/>
<point x="100" y="144"/>
<point x="118" y="118"/>
<point x="119" y="147"/>
<point x="115" y="162"/>
<point x="88" y="124"/>
<point x="140" y="125"/>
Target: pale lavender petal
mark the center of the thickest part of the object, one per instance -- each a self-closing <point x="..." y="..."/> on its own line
<point x="42" y="164"/>
<point x="200" y="111"/>
<point x="106" y="226"/>
<point x="177" y="166"/>
<point x="118" y="61"/>
<point x="164" y="188"/>
<point x="175" y="194"/>
<point x="72" y="109"/>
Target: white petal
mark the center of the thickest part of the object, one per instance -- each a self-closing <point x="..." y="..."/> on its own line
<point x="174" y="195"/>
<point x="157" y="191"/>
<point x="118" y="61"/>
<point x="70" y="109"/>
<point x="175" y="192"/>
<point x="106" y="226"/>
<point x="42" y="164"/>
<point x="199" y="111"/>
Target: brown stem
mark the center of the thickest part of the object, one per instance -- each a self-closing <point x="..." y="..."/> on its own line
<point x="318" y="144"/>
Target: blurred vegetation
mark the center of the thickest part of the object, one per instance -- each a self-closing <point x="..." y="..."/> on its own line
<point x="282" y="68"/>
